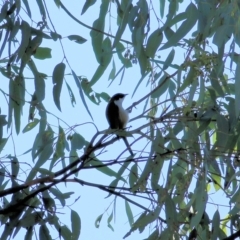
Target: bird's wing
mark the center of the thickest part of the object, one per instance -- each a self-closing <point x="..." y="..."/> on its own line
<point x="113" y="119"/>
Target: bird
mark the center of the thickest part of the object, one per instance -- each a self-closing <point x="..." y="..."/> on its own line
<point x="117" y="116"/>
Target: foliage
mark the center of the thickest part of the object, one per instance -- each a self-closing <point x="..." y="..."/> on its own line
<point x="189" y="140"/>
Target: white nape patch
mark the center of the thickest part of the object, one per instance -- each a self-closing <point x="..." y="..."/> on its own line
<point x="123" y="114"/>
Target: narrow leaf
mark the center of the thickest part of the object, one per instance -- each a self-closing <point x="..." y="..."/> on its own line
<point x="77" y="39"/>
<point x="86" y="5"/>
<point x="154" y="42"/>
<point x="169" y="59"/>
<point x="31" y="125"/>
<point x="43" y="53"/>
<point x="129" y="213"/>
<point x="186" y="26"/>
<point x="76" y="225"/>
<point x="81" y="93"/>
<point x="98" y="220"/>
<point x="27" y="8"/>
<point x="237" y="89"/>
<point x="58" y="75"/>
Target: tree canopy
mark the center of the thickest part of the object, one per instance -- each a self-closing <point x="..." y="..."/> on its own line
<point x="182" y="182"/>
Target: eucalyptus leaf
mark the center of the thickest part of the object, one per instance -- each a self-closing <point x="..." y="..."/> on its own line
<point x="58" y="75"/>
<point x="77" y="39"/>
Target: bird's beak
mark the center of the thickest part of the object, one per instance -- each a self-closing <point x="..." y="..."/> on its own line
<point x="125" y="94"/>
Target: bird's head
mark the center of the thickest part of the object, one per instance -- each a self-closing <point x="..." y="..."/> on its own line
<point x="118" y="98"/>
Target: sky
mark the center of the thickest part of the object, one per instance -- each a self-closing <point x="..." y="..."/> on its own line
<point x="87" y="201"/>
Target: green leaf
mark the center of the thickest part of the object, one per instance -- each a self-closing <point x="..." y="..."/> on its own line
<point x="87" y="88"/>
<point x="132" y="17"/>
<point x="31" y="219"/>
<point x="97" y="30"/>
<point x="68" y="195"/>
<point x="42" y="9"/>
<point x="202" y="92"/>
<point x="98" y="220"/>
<point x="55" y="36"/>
<point x="169" y="33"/>
<point x="3" y="122"/>
<point x="60" y="146"/>
<point x="77" y="142"/>
<point x="222" y="131"/>
<point x="215" y="225"/>
<point x="3" y="14"/>
<point x="77" y="39"/>
<point x="97" y="38"/>
<point x="58" y="75"/>
<point x="45" y="155"/>
<point x="237" y="89"/>
<point x="154" y="42"/>
<point x="169" y="60"/>
<point x="39" y="82"/>
<point x="223" y="34"/>
<point x="138" y="83"/>
<point x="105" y="96"/>
<point x="129" y="213"/>
<point x="162" y="87"/>
<point x="109" y="221"/>
<point x="192" y="74"/>
<point x="215" y="83"/>
<point x="106" y="55"/>
<point x="125" y="61"/>
<point x="162" y="6"/>
<point x="76" y="225"/>
<point x="58" y="195"/>
<point x="171" y="214"/>
<point x="65" y="232"/>
<point x="45" y="172"/>
<point x="103" y="169"/>
<point x="26" y="35"/>
<point x="71" y="95"/>
<point x="104" y="60"/>
<point x="133" y="176"/>
<point x="139" y="223"/>
<point x="172" y="10"/>
<point x="144" y="220"/>
<point x="156" y="170"/>
<point x="16" y="28"/>
<point x="81" y="93"/>
<point x="31" y="49"/>
<point x="44" y="147"/>
<point x="192" y="92"/>
<point x="86" y="5"/>
<point x="39" y="33"/>
<point x="29" y="234"/>
<point x="200" y="202"/>
<point x="97" y="75"/>
<point x="43" y="53"/>
<point x="3" y="142"/>
<point x="2" y="176"/>
<point x="27" y="8"/>
<point x="123" y="23"/>
<point x="143" y="62"/>
<point x="15" y="167"/>
<point x="155" y="235"/>
<point x="186" y="26"/>
<point x="113" y="71"/>
<point x="180" y="17"/>
<point x="31" y="125"/>
<point x="4" y="42"/>
<point x="58" y="3"/>
<point x="17" y="97"/>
